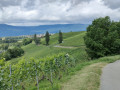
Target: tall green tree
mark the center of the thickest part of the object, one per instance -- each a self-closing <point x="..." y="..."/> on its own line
<point x="35" y="37"/>
<point x="47" y="38"/>
<point x="60" y="39"/>
<point x="102" y="38"/>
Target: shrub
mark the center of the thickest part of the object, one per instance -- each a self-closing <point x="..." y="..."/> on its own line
<point x="12" y="53"/>
<point x="4" y="46"/>
<point x="27" y="41"/>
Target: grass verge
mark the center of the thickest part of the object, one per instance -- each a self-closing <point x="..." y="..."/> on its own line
<point x="86" y="76"/>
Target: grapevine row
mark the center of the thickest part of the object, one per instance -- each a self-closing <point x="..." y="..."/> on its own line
<point x="49" y="68"/>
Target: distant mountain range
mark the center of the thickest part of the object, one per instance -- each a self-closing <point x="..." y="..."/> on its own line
<point x="8" y="30"/>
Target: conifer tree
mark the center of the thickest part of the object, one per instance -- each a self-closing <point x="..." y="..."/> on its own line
<point x="60" y="39"/>
<point x="47" y="38"/>
<point x="36" y="40"/>
<point x="35" y="37"/>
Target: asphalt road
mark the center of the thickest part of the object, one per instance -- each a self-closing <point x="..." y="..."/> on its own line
<point x="110" y="79"/>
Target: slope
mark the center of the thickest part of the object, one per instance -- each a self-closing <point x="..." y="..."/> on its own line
<point x="40" y="51"/>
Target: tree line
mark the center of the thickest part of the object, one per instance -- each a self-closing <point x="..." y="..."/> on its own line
<point x="37" y="40"/>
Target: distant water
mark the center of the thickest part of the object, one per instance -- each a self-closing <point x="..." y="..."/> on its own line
<point x="7" y="30"/>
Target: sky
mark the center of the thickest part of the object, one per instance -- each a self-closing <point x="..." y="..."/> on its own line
<point x="45" y="12"/>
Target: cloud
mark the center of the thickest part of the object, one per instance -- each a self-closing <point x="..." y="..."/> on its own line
<point x="37" y="12"/>
<point x="5" y="3"/>
<point x="112" y="3"/>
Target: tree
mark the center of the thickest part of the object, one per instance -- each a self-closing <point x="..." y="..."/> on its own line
<point x="102" y="38"/>
<point x="60" y="39"/>
<point x="35" y="37"/>
<point x="4" y="46"/>
<point x="13" y="53"/>
<point x="47" y="38"/>
<point x="38" y="41"/>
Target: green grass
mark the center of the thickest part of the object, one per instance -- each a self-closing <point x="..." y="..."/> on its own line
<point x="41" y="51"/>
<point x="86" y="76"/>
<point x="76" y="40"/>
<point x="85" y="79"/>
<point x="54" y="38"/>
<point x="37" y="52"/>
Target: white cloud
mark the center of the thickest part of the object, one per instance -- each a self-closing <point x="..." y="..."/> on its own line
<point x="37" y="12"/>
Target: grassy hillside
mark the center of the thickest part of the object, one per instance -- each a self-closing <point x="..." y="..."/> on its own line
<point x="40" y="51"/>
<point x="76" y="40"/>
<point x="54" y="38"/>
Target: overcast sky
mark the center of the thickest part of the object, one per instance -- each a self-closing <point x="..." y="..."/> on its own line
<point x="40" y="12"/>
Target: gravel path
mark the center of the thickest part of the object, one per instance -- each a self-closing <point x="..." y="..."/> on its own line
<point x="110" y="79"/>
<point x="64" y="46"/>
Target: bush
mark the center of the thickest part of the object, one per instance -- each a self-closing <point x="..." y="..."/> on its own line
<point x="6" y="55"/>
<point x="12" y="53"/>
<point x="4" y="46"/>
<point x="103" y="38"/>
<point x="38" y="41"/>
<point x="27" y="41"/>
<point x="19" y="44"/>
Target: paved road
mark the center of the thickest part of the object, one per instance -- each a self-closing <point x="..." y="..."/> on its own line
<point x="110" y="79"/>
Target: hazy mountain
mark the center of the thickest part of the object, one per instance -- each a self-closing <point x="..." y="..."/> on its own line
<point x="8" y="30"/>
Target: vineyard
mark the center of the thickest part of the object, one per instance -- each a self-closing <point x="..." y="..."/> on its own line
<point x="49" y="68"/>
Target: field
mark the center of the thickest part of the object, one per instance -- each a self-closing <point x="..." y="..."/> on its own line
<point x="75" y="41"/>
